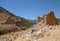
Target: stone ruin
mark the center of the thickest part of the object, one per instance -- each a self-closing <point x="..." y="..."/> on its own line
<point x="47" y="19"/>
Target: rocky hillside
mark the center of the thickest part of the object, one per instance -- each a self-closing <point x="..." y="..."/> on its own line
<point x="10" y="22"/>
<point x="9" y="18"/>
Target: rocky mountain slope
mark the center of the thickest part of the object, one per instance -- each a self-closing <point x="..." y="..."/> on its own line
<point x="6" y="16"/>
<point x="10" y="22"/>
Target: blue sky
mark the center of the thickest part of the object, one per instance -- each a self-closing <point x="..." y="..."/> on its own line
<point x="29" y="9"/>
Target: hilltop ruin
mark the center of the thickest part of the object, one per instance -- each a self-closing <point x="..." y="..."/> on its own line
<point x="47" y="19"/>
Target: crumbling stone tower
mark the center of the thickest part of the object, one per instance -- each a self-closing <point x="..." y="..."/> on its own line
<point x="47" y="19"/>
<point x="50" y="19"/>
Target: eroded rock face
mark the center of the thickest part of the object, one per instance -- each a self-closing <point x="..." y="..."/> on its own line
<point x="48" y="19"/>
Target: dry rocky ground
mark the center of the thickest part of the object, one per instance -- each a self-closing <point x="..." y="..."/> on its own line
<point x="41" y="33"/>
